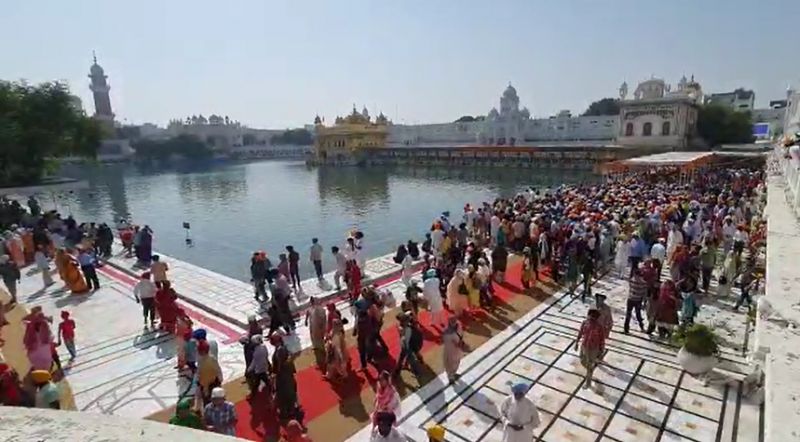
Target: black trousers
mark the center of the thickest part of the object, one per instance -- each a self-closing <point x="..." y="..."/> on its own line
<point x="318" y="268"/>
<point x="294" y="275"/>
<point x="149" y="308"/>
<point x="633" y="306"/>
<point x="706" y="274"/>
<point x="91" y="277"/>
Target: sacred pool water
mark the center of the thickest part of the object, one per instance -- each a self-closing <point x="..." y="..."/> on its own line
<point x="236" y="208"/>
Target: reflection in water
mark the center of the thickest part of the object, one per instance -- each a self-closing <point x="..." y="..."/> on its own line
<point x="237" y="208"/>
<point x="218" y="186"/>
<point x="358" y="188"/>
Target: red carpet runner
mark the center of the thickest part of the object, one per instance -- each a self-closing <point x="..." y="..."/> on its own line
<point x="317" y="395"/>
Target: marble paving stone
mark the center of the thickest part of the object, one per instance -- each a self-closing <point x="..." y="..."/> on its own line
<point x="487" y="401"/>
<point x="698" y="404"/>
<point x="555" y="341"/>
<point x="622" y="361"/>
<point x="645" y="410"/>
<point x="547" y="399"/>
<point x="652" y="389"/>
<point x="601" y="395"/>
<point x="563" y="431"/>
<point x="542" y="354"/>
<point x="570" y="363"/>
<point x="660" y="372"/>
<point x="698" y="386"/>
<point x="586" y="414"/>
<point x="468" y="423"/>
<point x="626" y="429"/>
<point x="504" y="380"/>
<point x="669" y="436"/>
<point x="527" y="368"/>
<point x="689" y="425"/>
<point x="561" y="380"/>
<point x="612" y="376"/>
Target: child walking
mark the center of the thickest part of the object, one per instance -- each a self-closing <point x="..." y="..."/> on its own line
<point x="66" y="334"/>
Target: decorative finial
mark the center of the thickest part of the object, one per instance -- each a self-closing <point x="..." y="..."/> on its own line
<point x="94" y="56"/>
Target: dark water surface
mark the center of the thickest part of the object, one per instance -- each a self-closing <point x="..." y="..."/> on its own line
<point x="237" y="208"/>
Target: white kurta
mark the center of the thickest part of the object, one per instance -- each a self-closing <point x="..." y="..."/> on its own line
<point x="408" y="270"/>
<point x="519" y="412"/>
<point x="430" y="290"/>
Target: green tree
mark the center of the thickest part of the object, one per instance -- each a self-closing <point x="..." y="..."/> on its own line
<point x="37" y="124"/>
<point x="722" y="125"/>
<point x="184" y="146"/>
<point x="604" y="106"/>
<point x="299" y="137"/>
<point x="465" y="119"/>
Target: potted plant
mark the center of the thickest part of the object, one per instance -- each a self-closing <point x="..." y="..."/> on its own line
<point x="699" y="348"/>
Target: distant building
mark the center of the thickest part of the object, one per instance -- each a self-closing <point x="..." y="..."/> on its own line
<point x="102" y="102"/>
<point x="220" y="132"/>
<point x="791" y="122"/>
<point x="349" y="137"/>
<point x="739" y="100"/>
<point x="658" y="116"/>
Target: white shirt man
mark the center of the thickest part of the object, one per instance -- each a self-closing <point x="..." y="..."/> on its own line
<point x="519" y="416"/>
<point x="658" y="251"/>
<point x="437" y="238"/>
<point x="494" y="224"/>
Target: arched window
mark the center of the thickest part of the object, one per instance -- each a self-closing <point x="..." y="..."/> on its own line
<point x="665" y="127"/>
<point x="629" y="129"/>
<point x="647" y="129"/>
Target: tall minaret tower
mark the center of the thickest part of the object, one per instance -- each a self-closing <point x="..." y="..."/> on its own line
<point x="102" y="103"/>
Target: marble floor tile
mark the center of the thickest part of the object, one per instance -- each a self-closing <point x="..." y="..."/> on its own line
<point x="504" y="380"/>
<point x="555" y="341"/>
<point x="652" y="389"/>
<point x="488" y="401"/>
<point x="646" y="410"/>
<point x="468" y="423"/>
<point x="601" y="395"/>
<point x="542" y="354"/>
<point x="586" y="414"/>
<point x="612" y="376"/>
<point x="626" y="429"/>
<point x="570" y="363"/>
<point x="527" y="368"/>
<point x="698" y="404"/>
<point x="696" y="427"/>
<point x="660" y="372"/>
<point x="547" y="399"/>
<point x="561" y="380"/>
<point x="622" y="361"/>
<point x="669" y="436"/>
<point x="563" y="431"/>
<point x="697" y="385"/>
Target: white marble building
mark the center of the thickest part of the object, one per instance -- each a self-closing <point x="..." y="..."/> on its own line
<point x="510" y="125"/>
<point x="658" y="116"/>
<point x="791" y="122"/>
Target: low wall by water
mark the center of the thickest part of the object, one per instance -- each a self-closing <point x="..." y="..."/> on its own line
<point x="551" y="157"/>
<point x="777" y="340"/>
<point x="36" y="424"/>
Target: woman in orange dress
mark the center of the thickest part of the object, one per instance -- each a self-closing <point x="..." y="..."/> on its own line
<point x="14" y="249"/>
<point x="73" y="276"/>
<point x="61" y="261"/>
<point x="28" y="246"/>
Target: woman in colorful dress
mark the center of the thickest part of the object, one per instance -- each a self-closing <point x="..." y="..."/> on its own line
<point x="386" y="397"/>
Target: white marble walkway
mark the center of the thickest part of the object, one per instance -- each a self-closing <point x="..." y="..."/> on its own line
<point x="233" y="299"/>
<point x="641" y="394"/>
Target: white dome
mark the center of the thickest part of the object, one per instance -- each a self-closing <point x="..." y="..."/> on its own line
<point x="510" y="91"/>
<point x="493" y="114"/>
<point x="525" y="113"/>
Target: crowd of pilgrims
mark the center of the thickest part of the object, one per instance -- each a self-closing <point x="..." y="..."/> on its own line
<point x="701" y="229"/>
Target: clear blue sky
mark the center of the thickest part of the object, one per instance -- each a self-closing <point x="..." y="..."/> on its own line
<point x="276" y="63"/>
